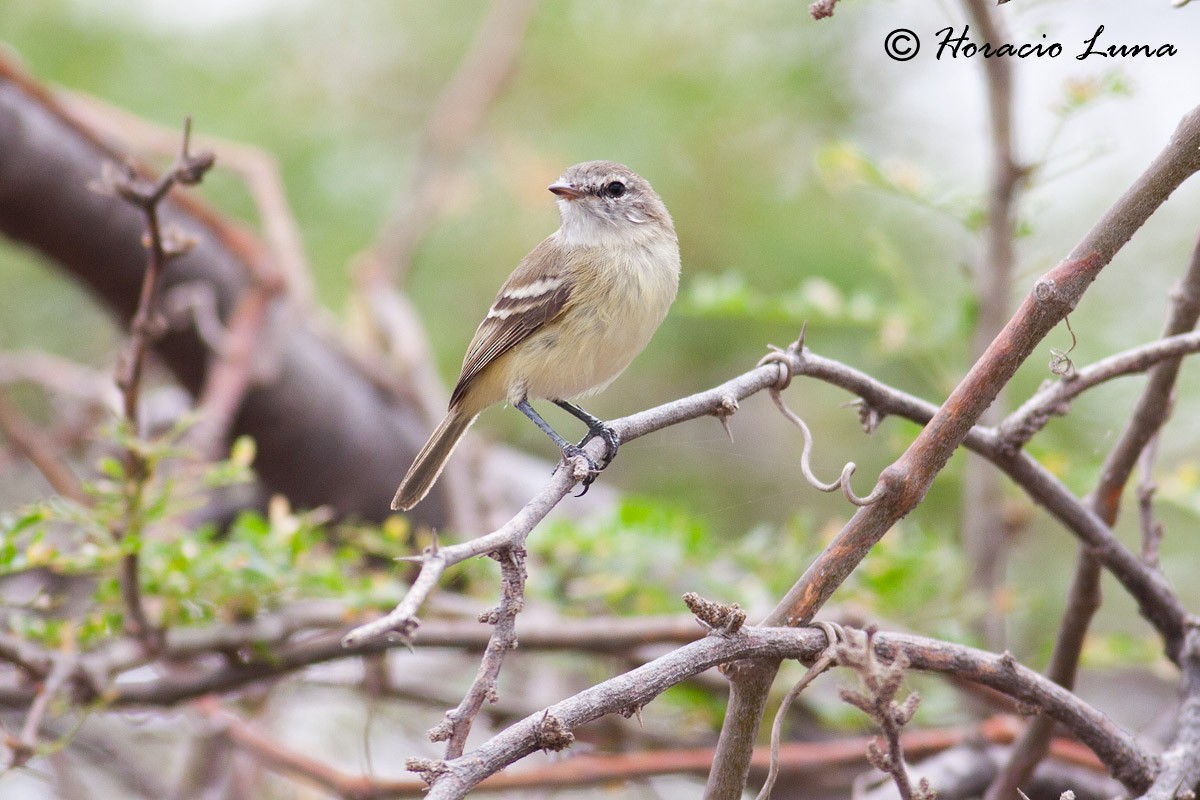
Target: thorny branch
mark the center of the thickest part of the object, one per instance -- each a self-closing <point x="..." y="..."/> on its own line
<point x="503" y="619"/>
<point x="1144" y="583"/>
<point x="515" y="531"/>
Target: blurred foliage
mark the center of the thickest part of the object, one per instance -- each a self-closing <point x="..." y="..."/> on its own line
<point x="189" y="575"/>
<point x="748" y="119"/>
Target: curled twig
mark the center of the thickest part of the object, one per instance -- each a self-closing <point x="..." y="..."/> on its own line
<point x="833" y="633"/>
<point x="783" y="358"/>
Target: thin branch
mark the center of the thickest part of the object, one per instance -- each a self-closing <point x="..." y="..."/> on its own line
<point x="276" y="634"/>
<point x="485" y="70"/>
<point x="257" y="167"/>
<point x="25" y="746"/>
<point x="1180" y="771"/>
<point x="908" y="479"/>
<point x="457" y="724"/>
<point x="1158" y="602"/>
<point x="231" y="374"/>
<point x="1054" y="399"/>
<point x="32" y="658"/>
<point x="58" y="375"/>
<point x="794" y="758"/>
<point x="145" y="195"/>
<point x="880" y="684"/>
<point x="827" y="659"/>
<point x="984" y="530"/>
<point x="395" y="325"/>
<point x="1152" y="529"/>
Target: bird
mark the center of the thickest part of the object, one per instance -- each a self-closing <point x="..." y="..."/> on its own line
<point x="569" y="319"/>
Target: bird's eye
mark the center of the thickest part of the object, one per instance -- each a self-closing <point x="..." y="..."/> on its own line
<point x="615" y="189"/>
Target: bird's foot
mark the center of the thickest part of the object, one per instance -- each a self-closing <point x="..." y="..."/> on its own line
<point x="611" y="441"/>
<point x="570" y="453"/>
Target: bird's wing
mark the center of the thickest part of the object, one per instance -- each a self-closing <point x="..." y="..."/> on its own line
<point x="536" y="293"/>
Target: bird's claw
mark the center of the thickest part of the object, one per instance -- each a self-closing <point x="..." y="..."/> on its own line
<point x="611" y="441"/>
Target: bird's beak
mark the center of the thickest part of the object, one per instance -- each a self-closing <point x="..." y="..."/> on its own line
<point x="565" y="190"/>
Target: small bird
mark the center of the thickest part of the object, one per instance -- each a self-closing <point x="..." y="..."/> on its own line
<point x="569" y="319"/>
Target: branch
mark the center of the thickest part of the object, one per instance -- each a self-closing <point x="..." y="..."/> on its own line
<point x="1180" y="770"/>
<point x="275" y="634"/>
<point x="908" y="479"/>
<point x="808" y="759"/>
<point x="146" y="196"/>
<point x="1157" y="600"/>
<point x="629" y="692"/>
<point x="984" y="530"/>
<point x="1054" y="400"/>
<point x="457" y="724"/>
<point x="881" y="682"/>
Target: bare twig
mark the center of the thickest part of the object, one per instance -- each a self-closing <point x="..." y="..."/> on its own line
<point x="514" y="532"/>
<point x="230" y="376"/>
<point x="1152" y="529"/>
<point x="833" y="635"/>
<point x="257" y="167"/>
<point x="1180" y="770"/>
<point x="65" y="667"/>
<point x="461" y="107"/>
<point x="1055" y="398"/>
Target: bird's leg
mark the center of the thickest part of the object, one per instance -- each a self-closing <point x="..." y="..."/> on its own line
<point x="569" y="450"/>
<point x="596" y="427"/>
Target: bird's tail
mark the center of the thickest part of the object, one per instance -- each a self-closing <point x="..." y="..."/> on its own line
<point x="432" y="459"/>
